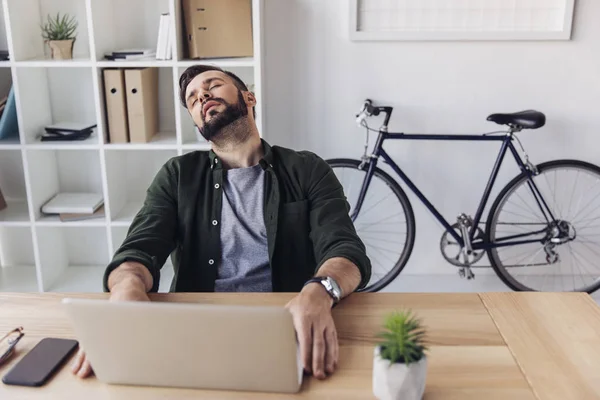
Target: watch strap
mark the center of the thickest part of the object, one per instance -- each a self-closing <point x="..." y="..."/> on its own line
<point x="319" y="280"/>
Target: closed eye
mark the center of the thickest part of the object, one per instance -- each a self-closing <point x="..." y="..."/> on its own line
<point x="215" y="86"/>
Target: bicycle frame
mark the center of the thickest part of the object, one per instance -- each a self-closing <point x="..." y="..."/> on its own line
<point x="507" y="144"/>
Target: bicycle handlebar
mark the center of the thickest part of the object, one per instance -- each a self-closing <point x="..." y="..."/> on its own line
<point x="369" y="110"/>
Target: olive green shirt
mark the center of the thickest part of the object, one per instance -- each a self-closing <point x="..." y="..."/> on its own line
<point x="305" y="212"/>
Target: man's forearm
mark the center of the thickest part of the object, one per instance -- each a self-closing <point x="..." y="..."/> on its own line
<point x="131" y="273"/>
<point x="343" y="271"/>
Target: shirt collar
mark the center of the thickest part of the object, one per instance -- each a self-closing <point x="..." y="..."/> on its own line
<point x="265" y="162"/>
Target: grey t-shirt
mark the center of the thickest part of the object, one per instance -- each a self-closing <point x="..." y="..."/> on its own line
<point x="245" y="257"/>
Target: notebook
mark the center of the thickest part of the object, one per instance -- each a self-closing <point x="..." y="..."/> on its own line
<point x="73" y="203"/>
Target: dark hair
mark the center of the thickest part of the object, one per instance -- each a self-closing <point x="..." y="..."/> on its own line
<point x="191" y="72"/>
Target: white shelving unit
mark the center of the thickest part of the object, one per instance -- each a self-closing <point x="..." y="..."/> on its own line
<point x="41" y="253"/>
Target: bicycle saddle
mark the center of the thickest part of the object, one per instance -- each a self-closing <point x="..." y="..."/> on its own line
<point x="529" y="119"/>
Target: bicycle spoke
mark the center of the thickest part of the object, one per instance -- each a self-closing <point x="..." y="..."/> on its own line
<point x="517" y="205"/>
<point x="526" y="204"/>
<point x="379" y="221"/>
<point x="573" y="191"/>
<point x="374" y="205"/>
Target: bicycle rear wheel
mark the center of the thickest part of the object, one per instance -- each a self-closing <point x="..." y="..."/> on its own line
<point x="385" y="223"/>
<point x="563" y="259"/>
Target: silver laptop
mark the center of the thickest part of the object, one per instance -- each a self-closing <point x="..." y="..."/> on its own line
<point x="188" y="345"/>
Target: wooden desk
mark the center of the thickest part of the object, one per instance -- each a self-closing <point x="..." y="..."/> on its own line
<point x="485" y="346"/>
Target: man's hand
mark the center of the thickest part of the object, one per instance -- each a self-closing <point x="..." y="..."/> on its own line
<point x="311" y="312"/>
<point x="129" y="288"/>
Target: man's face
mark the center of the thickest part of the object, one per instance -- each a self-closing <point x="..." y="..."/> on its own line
<point x="214" y="102"/>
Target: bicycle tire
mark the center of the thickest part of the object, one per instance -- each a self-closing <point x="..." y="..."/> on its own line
<point x="499" y="269"/>
<point x="410" y="221"/>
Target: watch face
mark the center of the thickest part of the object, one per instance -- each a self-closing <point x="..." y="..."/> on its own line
<point x="333" y="287"/>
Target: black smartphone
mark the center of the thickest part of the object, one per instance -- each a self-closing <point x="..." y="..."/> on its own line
<point x="41" y="362"/>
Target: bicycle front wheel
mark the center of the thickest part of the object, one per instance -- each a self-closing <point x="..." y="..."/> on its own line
<point x="385" y="223"/>
<point x="564" y="258"/>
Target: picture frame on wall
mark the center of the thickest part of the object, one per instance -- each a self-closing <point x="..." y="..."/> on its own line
<point x="460" y="20"/>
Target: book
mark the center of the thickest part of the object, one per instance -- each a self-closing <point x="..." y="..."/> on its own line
<point x="163" y="37"/>
<point x="73" y="203"/>
<point x="129" y="57"/>
<point x="69" y="217"/>
<point x="69" y="126"/>
<point x="131" y="52"/>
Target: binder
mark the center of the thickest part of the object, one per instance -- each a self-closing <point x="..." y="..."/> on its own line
<point x="116" y="106"/>
<point x="142" y="103"/>
<point x="218" y="28"/>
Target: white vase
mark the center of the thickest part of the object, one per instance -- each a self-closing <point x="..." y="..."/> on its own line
<point x="398" y="381"/>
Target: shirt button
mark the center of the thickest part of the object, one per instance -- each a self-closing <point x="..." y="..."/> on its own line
<point x="215" y="222"/>
<point x="216" y="161"/>
<point x="217" y="186"/>
<point x="211" y="261"/>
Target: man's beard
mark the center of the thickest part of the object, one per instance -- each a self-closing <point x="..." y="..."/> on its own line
<point x="213" y="129"/>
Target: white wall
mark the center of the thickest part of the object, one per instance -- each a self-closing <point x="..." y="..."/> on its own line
<point x="316" y="79"/>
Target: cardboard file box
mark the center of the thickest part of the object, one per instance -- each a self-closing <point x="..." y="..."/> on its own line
<point x="116" y="106"/>
<point x="218" y="28"/>
<point x="142" y="103"/>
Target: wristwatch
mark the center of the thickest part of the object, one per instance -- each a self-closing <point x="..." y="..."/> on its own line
<point x="330" y="285"/>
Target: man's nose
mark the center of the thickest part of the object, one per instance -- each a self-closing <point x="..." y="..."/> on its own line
<point x="204" y="95"/>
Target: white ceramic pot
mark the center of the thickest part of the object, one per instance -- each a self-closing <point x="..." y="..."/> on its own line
<point x="398" y="381"/>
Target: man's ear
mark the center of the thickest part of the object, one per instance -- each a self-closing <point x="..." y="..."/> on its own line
<point x="250" y="99"/>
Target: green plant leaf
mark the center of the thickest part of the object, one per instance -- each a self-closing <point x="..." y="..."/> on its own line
<point x="403" y="338"/>
<point x="59" y="28"/>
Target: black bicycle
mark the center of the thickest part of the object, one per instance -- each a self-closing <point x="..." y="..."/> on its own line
<point x="542" y="231"/>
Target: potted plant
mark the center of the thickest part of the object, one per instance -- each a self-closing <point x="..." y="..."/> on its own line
<point x="59" y="34"/>
<point x="400" y="362"/>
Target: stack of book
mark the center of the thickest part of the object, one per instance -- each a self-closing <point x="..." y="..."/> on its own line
<point x="166" y="36"/>
<point x="130" y="55"/>
<point x="71" y="206"/>
<point x="67" y="131"/>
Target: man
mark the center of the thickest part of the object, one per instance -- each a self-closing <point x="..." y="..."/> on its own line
<point x="244" y="217"/>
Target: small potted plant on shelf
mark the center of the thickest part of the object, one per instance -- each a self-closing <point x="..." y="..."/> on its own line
<point x="400" y="360"/>
<point x="59" y="33"/>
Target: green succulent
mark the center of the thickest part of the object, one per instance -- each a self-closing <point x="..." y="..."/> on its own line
<point x="59" y="28"/>
<point x="403" y="340"/>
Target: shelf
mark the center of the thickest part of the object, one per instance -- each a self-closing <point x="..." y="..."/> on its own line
<point x="90" y="143"/>
<point x="162" y="141"/>
<point x="17" y="271"/>
<point x="25" y="18"/>
<point x="54" y="95"/>
<point x="18" y="279"/>
<point x="244" y="62"/>
<point x="166" y="138"/>
<point x="50" y="63"/>
<point x="129" y="173"/>
<point x="40" y="252"/>
<point x="54" y="221"/>
<point x="12" y="184"/>
<point x="16" y="214"/>
<point x="64" y="248"/>
<point x="57" y="171"/>
<point x="10" y="144"/>
<point x="133" y="24"/>
<point x="135" y="63"/>
<point x="127" y="213"/>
